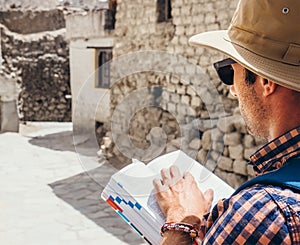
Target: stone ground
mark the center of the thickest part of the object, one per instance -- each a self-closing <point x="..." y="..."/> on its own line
<point x="51" y="195"/>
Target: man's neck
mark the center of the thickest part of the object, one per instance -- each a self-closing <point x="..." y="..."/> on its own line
<point x="285" y="115"/>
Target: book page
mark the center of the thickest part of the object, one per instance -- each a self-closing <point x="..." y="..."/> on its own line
<point x="136" y="169"/>
<point x="136" y="179"/>
<point x="178" y="158"/>
<point x="154" y="207"/>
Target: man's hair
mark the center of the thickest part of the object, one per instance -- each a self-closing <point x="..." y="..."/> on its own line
<point x="250" y="77"/>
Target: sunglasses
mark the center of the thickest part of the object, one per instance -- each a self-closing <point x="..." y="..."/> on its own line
<point x="225" y="71"/>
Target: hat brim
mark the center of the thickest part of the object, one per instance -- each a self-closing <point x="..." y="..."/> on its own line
<point x="281" y="73"/>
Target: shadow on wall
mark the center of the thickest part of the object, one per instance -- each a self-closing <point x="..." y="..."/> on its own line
<point x="83" y="191"/>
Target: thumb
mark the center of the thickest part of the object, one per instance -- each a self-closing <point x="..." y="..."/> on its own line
<point x="209" y="195"/>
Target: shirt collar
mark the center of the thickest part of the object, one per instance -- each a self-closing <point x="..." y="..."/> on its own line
<point x="275" y="153"/>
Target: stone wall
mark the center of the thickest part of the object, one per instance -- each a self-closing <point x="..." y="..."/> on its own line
<point x="137" y="28"/>
<point x="37" y="56"/>
<point x="181" y="111"/>
<point x="18" y="20"/>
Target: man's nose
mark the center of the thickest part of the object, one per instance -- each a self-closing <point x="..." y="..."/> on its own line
<point x="232" y="91"/>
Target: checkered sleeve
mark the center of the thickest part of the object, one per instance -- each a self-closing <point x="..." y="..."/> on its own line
<point x="250" y="217"/>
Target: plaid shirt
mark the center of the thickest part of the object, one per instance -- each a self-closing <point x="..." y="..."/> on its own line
<point x="260" y="214"/>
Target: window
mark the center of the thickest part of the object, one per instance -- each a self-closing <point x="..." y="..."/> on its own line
<point x="103" y="56"/>
<point x="164" y="10"/>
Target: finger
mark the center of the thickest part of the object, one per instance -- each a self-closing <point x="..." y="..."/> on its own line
<point x="209" y="195"/>
<point x="188" y="176"/>
<point x="157" y="185"/>
<point x="165" y="175"/>
<point x="175" y="173"/>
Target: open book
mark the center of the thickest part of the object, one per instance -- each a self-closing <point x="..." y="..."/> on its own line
<point x="131" y="194"/>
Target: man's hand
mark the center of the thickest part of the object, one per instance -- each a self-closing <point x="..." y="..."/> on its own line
<point x="179" y="197"/>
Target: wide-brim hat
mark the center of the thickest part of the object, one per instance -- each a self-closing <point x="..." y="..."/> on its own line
<point x="264" y="36"/>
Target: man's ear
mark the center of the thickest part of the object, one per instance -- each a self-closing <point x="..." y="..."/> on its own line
<point x="268" y="87"/>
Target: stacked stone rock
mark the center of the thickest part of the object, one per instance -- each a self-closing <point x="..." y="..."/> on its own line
<point x="133" y="121"/>
<point x="27" y="21"/>
<point x="222" y="145"/>
<point x="137" y="29"/>
<point x="37" y="56"/>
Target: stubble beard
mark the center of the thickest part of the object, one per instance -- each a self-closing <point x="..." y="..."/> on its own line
<point x="255" y="117"/>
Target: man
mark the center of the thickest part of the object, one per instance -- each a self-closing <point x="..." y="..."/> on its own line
<point x="263" y="71"/>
